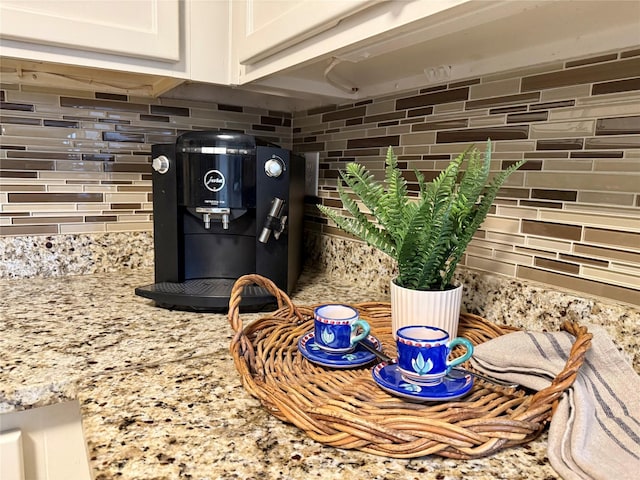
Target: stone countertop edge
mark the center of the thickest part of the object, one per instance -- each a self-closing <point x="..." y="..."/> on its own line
<point x="159" y="395"/>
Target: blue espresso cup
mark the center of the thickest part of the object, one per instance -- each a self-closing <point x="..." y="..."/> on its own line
<point x="336" y="328"/>
<point x="423" y="353"/>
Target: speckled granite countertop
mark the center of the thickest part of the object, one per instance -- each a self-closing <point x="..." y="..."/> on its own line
<point x="160" y="397"/>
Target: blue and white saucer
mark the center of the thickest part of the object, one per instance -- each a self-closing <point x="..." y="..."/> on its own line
<point x="356" y="358"/>
<point x="388" y="376"/>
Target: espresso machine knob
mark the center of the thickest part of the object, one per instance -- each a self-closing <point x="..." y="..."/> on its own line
<point x="160" y="164"/>
<point x="274" y="167"/>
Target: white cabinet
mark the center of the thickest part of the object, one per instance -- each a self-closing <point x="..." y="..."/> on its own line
<point x="378" y="48"/>
<point x="268" y="39"/>
<point x="165" y="41"/>
<point x="11" y="458"/>
<point x="272" y="26"/>
<point x="45" y="443"/>
<point x="135" y="28"/>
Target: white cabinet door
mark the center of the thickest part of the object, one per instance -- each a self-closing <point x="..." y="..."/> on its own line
<point x="52" y="444"/>
<point x="272" y="26"/>
<point x="11" y="460"/>
<point x="134" y="28"/>
<point x="267" y="40"/>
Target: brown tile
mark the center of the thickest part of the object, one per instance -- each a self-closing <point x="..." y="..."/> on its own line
<point x="33" y="155"/>
<point x="133" y="188"/>
<point x="552" y="105"/>
<point x="125" y="206"/>
<point x="616" y="154"/>
<point x="167" y="110"/>
<point x="7" y="187"/>
<point x="277" y="121"/>
<point x="384" y="116"/>
<point x="354" y="121"/>
<point x="263" y="128"/>
<point x="560" y="144"/>
<point x="545" y="155"/>
<point x="512" y="132"/>
<point x="27" y="164"/>
<point x="111" y="96"/>
<point x="436" y="98"/>
<point x="527" y="117"/>
<point x="20" y="120"/>
<point x="560" y="195"/>
<point x="618" y="125"/>
<point x="588" y="74"/>
<point x="581" y="285"/>
<point x="612" y="238"/>
<point x="553" y="230"/>
<point x="588" y="61"/>
<point x="100" y="218"/>
<point x="614" y="142"/>
<point x="123" y="137"/>
<point x="54" y="197"/>
<point x="539" y="204"/>
<point x="344" y="114"/>
<point x="459" y="123"/>
<point x="154" y="118"/>
<point x="626" y="85"/>
<point x="96" y="104"/>
<point x="6" y="174"/>
<point x="558" y="266"/>
<point x="393" y="140"/>
<point x="436" y="88"/>
<point x="630" y="53"/>
<point x="584" y="260"/>
<point x="98" y="157"/>
<point x="465" y="83"/>
<point x="529" y="164"/>
<point x="60" y="123"/>
<point x="624" y="256"/>
<point x="503" y="101"/>
<point x="21" y="107"/>
<point x="29" y="230"/>
<point x="46" y="220"/>
<point x="419" y="112"/>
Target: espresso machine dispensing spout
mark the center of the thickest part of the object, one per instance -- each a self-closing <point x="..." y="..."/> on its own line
<point x="211" y="212"/>
<point x="274" y="222"/>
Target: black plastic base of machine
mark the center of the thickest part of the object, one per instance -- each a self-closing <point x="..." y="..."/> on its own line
<point x="205" y="295"/>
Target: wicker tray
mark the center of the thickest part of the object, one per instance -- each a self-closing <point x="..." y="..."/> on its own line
<point x="347" y="409"/>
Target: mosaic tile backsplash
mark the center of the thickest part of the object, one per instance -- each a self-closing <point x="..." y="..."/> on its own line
<point x="75" y="177"/>
<point x="570" y="217"/>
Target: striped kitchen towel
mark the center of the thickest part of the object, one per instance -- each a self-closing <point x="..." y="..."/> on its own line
<point x="595" y="431"/>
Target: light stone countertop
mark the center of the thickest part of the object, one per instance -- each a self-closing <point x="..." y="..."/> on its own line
<point x="160" y="397"/>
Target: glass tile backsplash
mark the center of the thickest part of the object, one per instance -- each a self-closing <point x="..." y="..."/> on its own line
<point x="569" y="218"/>
<point x="78" y="163"/>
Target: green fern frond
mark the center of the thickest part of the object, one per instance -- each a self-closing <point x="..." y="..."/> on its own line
<point x="427" y="236"/>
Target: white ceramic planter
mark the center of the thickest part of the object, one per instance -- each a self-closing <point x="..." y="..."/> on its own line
<point x="437" y="308"/>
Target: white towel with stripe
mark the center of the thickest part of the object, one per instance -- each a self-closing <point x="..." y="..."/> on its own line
<point x="595" y="431"/>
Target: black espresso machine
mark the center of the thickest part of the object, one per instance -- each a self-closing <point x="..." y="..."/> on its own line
<point x="225" y="204"/>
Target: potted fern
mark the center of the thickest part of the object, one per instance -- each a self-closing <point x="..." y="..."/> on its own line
<point x="426" y="236"/>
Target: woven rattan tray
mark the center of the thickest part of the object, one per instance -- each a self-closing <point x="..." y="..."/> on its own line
<point x="347" y="409"/>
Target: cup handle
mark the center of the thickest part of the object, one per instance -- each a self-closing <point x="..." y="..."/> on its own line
<point x="365" y="331"/>
<point x="457" y="361"/>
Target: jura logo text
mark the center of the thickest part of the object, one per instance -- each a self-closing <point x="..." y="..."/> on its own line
<point x="214" y="180"/>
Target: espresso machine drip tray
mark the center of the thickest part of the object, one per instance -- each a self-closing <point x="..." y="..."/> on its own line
<point x="209" y="294"/>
